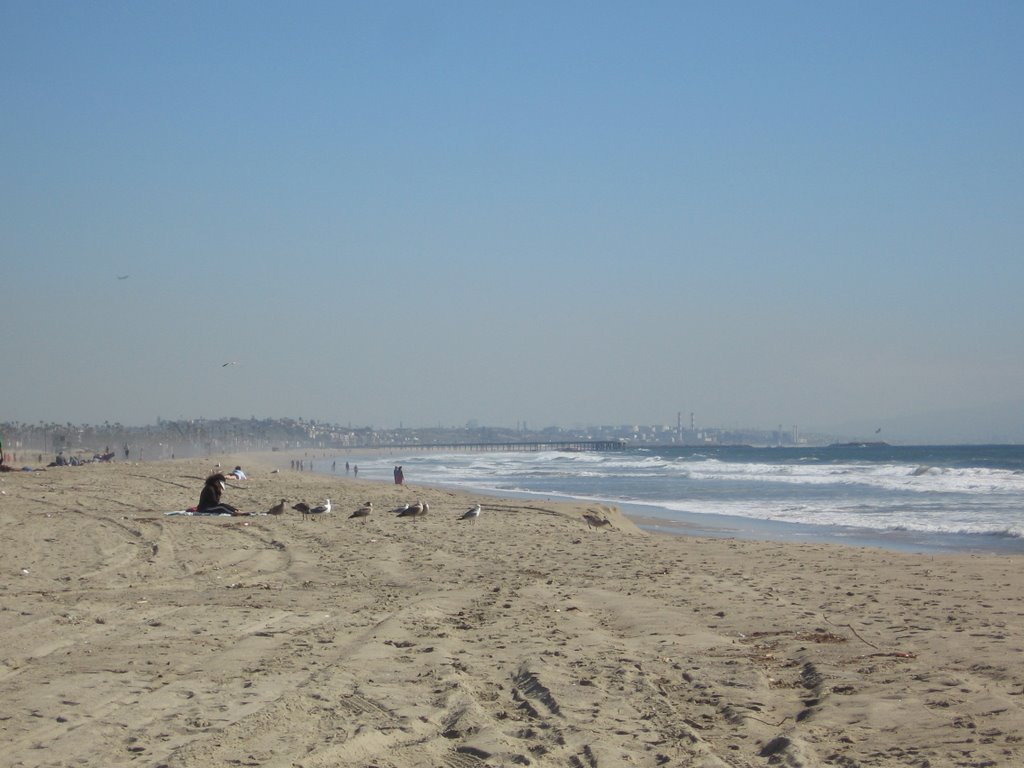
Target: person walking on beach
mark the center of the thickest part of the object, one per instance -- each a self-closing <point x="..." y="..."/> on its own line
<point x="399" y="476"/>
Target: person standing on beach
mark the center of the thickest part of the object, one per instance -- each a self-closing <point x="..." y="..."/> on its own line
<point x="399" y="476"/>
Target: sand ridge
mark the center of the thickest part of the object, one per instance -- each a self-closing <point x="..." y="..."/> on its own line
<point x="523" y="638"/>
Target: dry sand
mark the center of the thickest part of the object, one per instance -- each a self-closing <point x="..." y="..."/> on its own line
<point x="525" y="638"/>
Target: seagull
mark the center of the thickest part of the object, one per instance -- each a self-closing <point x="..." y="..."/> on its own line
<point x="230" y="362"/>
<point x="471" y="514"/>
<point x="323" y="509"/>
<point x="302" y="507"/>
<point x="400" y="510"/>
<point x="277" y="509"/>
<point x="123" y="277"/>
<point x="410" y="510"/>
<point x="416" y="510"/>
<point x="595" y="521"/>
<point x="363" y="512"/>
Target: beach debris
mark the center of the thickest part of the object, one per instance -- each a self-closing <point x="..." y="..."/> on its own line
<point x="473" y="513"/>
<point x="891" y="654"/>
<point x="820" y="636"/>
<point x="849" y="627"/>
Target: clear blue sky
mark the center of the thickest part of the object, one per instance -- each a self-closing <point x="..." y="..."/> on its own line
<point x="551" y="212"/>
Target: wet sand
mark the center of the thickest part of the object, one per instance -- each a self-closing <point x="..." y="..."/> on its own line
<point x="525" y="638"/>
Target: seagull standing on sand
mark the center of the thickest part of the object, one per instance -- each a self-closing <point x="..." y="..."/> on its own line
<point x="277" y="509"/>
<point x="323" y="509"/>
<point x="419" y="509"/>
<point x="473" y="513"/>
<point x="400" y="510"/>
<point x="302" y="507"/>
<point x="363" y="512"/>
<point x="411" y="510"/>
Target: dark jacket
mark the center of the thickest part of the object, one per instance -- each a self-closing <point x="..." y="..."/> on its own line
<point x="210" y="495"/>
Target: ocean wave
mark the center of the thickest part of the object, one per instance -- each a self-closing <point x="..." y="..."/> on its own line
<point x="885" y="476"/>
<point x="915" y="497"/>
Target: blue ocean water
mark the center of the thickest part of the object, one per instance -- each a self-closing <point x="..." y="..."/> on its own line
<point x="920" y="498"/>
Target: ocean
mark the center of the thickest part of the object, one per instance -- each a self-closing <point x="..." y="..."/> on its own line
<point x="911" y="498"/>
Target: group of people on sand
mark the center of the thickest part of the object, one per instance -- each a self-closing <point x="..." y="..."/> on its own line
<point x="7" y="461"/>
<point x="73" y="461"/>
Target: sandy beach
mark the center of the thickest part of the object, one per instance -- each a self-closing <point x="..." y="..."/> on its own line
<point x="526" y="637"/>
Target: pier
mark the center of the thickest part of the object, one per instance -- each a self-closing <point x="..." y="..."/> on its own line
<point x="533" y="446"/>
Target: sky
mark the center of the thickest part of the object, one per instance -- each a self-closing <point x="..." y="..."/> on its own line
<point x="542" y="213"/>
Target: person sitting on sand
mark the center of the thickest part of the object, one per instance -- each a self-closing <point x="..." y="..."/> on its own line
<point x="238" y="473"/>
<point x="209" y="498"/>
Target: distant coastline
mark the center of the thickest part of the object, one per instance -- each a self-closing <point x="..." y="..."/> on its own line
<point x="183" y="438"/>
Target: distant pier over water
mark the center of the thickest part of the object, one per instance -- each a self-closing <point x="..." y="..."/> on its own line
<point x="573" y="446"/>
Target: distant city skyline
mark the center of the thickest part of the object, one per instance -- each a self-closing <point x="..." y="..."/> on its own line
<point x="558" y="213"/>
<point x="950" y="428"/>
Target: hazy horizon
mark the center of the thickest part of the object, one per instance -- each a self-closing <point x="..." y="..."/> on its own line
<point x="552" y="213"/>
<point x="973" y="427"/>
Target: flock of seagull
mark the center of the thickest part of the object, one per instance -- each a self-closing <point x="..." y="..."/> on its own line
<point x="414" y="511"/>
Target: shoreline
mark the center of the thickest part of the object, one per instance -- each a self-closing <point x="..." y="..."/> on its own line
<point x="676" y="523"/>
<point x="524" y="638"/>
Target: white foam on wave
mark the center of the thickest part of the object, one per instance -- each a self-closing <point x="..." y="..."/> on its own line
<point x="890" y="477"/>
<point x="938" y="521"/>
